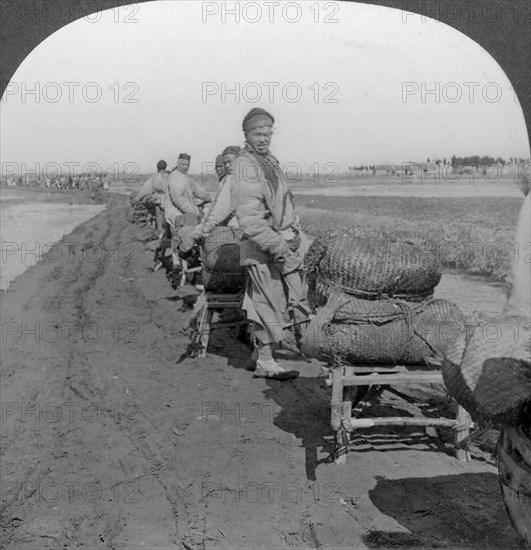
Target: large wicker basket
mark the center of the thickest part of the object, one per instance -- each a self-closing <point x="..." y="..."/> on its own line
<point x="489" y="371"/>
<point x="514" y="466"/>
<point x="220" y="253"/>
<point x="383" y="331"/>
<point x="371" y="267"/>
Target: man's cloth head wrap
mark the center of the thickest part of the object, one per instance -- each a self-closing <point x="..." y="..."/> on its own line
<point x="219" y="159"/>
<point x="185" y="156"/>
<point x="231" y="150"/>
<point x="256" y="118"/>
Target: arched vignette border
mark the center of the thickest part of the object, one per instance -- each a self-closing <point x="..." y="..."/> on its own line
<point x="507" y="39"/>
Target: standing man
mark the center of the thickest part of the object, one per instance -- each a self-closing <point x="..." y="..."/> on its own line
<point x="184" y="193"/>
<point x="272" y="244"/>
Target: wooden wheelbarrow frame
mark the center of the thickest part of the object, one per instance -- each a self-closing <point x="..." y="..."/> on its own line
<point x="346" y="380"/>
<point x="184" y="268"/>
<point x="200" y="324"/>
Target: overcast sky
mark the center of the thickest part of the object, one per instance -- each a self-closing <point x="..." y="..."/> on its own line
<point x="161" y="77"/>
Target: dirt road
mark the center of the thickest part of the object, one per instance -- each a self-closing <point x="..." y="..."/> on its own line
<point x="111" y="438"/>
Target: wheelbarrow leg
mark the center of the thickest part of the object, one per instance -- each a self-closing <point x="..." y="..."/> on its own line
<point x="205" y="332"/>
<point x="461" y="432"/>
<point x="341" y="411"/>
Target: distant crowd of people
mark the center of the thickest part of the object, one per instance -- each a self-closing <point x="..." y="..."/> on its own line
<point x="76" y="182"/>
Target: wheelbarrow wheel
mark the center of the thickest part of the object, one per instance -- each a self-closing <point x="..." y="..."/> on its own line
<point x="514" y="468"/>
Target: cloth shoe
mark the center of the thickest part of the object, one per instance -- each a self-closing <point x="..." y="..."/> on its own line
<point x="271" y="369"/>
<point x="270" y="365"/>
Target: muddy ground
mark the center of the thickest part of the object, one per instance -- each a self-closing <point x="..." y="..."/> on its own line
<point x="112" y="438"/>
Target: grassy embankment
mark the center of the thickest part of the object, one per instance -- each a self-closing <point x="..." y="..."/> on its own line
<point x="473" y="235"/>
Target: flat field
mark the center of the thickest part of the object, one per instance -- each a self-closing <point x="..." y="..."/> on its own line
<point x="474" y="235"/>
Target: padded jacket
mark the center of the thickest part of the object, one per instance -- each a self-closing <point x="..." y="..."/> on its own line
<point x="222" y="209"/>
<point x="155" y="185"/>
<point x="183" y="192"/>
<point x="262" y="212"/>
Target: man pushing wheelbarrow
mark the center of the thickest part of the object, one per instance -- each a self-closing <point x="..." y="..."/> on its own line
<point x="272" y="246"/>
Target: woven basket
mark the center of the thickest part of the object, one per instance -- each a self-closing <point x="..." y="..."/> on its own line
<point x="489" y="371"/>
<point x="371" y="266"/>
<point x="392" y="332"/>
<point x="140" y="213"/>
<point x="355" y="308"/>
<point x="385" y="331"/>
<point x="220" y="253"/>
<point x="514" y="467"/>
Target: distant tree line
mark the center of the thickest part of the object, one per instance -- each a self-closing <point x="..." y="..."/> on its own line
<point x="479" y="163"/>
